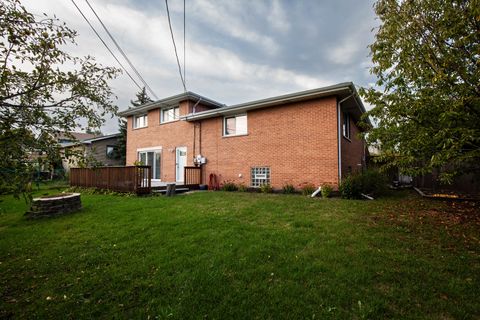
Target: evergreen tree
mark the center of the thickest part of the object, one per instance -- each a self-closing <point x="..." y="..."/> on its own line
<point x="141" y="98"/>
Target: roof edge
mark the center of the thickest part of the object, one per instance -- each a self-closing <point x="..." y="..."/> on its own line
<point x="277" y="100"/>
<point x="169" y="101"/>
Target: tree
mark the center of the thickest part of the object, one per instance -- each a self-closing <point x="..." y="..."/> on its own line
<point x="43" y="90"/>
<point x="141" y="98"/>
<point x="426" y="59"/>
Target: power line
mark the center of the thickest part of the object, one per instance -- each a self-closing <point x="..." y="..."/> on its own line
<point x="184" y="50"/>
<point x="175" y="47"/>
<point x="122" y="52"/>
<point x="106" y="46"/>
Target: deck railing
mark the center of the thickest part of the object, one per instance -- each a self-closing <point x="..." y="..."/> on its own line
<point x="192" y="175"/>
<point x="136" y="179"/>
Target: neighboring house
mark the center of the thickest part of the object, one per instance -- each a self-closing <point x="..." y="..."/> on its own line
<point x="299" y="138"/>
<point x="64" y="139"/>
<point x="47" y="169"/>
<point x="98" y="151"/>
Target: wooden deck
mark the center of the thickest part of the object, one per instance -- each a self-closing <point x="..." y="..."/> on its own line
<point x="135" y="179"/>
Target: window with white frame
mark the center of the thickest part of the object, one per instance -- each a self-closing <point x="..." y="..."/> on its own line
<point x="112" y="152"/>
<point x="260" y="176"/>
<point x="346" y="125"/>
<point x="170" y="114"/>
<point x="235" y="125"/>
<point x="151" y="158"/>
<point x="140" y="121"/>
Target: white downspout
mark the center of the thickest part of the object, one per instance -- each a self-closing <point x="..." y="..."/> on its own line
<point x="339" y="144"/>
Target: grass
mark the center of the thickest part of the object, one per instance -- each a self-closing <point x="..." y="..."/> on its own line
<point x="240" y="255"/>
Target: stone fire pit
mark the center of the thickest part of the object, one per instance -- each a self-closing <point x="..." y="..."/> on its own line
<point x="56" y="205"/>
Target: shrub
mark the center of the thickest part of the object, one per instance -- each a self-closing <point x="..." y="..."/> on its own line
<point x="229" y="186"/>
<point x="374" y="183"/>
<point x="350" y="187"/>
<point x="266" y="188"/>
<point x="326" y="190"/>
<point x="288" y="189"/>
<point x="369" y="182"/>
<point x="242" y="187"/>
<point x="308" y="189"/>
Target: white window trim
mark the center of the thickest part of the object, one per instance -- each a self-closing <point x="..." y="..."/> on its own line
<point x="159" y="148"/>
<point x="224" y="127"/>
<point x="135" y="121"/>
<point x="162" y="120"/>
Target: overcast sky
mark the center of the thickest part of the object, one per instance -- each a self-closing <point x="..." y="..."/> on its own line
<point x="236" y="51"/>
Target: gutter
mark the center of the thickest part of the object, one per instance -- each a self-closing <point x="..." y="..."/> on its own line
<point x="167" y="102"/>
<point x="259" y="104"/>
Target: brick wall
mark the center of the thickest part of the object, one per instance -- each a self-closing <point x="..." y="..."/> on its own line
<point x="298" y="141"/>
<point x="166" y="135"/>
<point x="352" y="150"/>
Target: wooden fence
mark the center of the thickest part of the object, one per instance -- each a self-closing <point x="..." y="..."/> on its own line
<point x="137" y="179"/>
<point x="192" y="175"/>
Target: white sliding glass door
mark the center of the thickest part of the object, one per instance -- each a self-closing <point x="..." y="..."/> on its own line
<point x="151" y="158"/>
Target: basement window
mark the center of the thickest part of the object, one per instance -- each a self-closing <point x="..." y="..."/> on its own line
<point x="140" y="121"/>
<point x="170" y="114"/>
<point x="260" y="176"/>
<point x="235" y="125"/>
<point x="346" y="125"/>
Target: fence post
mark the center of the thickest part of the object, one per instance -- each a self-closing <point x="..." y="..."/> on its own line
<point x="108" y="178"/>
<point x="135" y="178"/>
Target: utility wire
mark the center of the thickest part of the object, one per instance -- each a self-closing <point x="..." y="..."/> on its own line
<point x="122" y="52"/>
<point x="106" y="46"/>
<point x="175" y="47"/>
<point x="184" y="51"/>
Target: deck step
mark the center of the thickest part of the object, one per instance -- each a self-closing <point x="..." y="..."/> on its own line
<point x="177" y="190"/>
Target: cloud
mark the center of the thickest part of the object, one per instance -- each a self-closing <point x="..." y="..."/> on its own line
<point x="231" y="18"/>
<point x="236" y="50"/>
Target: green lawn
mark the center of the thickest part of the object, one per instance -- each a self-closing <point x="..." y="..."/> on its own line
<point x="240" y="255"/>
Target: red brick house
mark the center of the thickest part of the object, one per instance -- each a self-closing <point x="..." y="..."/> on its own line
<point x="303" y="137"/>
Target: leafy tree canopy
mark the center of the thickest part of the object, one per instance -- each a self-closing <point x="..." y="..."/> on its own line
<point x="426" y="59"/>
<point x="43" y="90"/>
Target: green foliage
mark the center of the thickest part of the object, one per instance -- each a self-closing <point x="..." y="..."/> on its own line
<point x="373" y="183"/>
<point x="229" y="186"/>
<point x="138" y="163"/>
<point x="308" y="189"/>
<point x="141" y="98"/>
<point x="43" y="90"/>
<point x="91" y="191"/>
<point x="370" y="182"/>
<point x="326" y="190"/>
<point x="266" y="188"/>
<point x="242" y="187"/>
<point x="122" y="140"/>
<point x="288" y="188"/>
<point x="350" y="187"/>
<point x="427" y="108"/>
